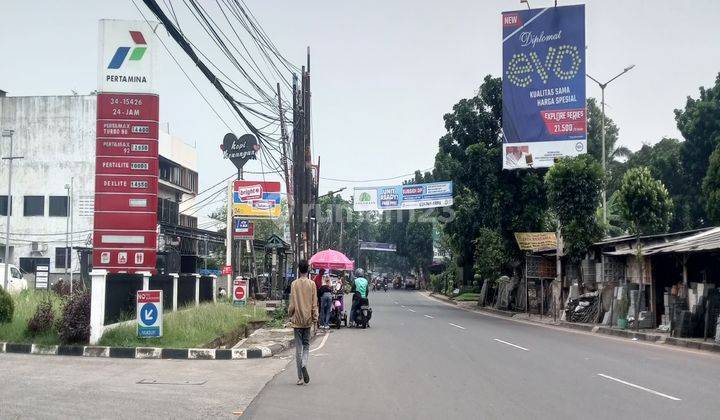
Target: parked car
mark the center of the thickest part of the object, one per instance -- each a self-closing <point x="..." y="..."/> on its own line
<point x="17" y="282"/>
<point x="410" y="282"/>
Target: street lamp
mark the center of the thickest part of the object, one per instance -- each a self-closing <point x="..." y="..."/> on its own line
<point x="604" y="158"/>
<point x="9" y="158"/>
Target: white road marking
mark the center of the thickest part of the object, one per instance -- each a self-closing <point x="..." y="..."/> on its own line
<point x="411" y="310"/>
<point x="660" y="394"/>
<point x="428" y="316"/>
<point x="322" y="343"/>
<point x="510" y="344"/>
<point x="456" y="326"/>
<point x="395" y="302"/>
<point x="402" y="306"/>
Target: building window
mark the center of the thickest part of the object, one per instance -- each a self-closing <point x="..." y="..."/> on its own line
<point x="4" y="205"/>
<point x="34" y="205"/>
<point x="61" y="256"/>
<point x="58" y="206"/>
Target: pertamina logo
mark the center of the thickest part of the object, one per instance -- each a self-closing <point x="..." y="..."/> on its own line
<point x="122" y="52"/>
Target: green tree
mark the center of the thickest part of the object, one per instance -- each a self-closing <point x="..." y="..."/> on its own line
<point x="491" y="254"/>
<point x="663" y="159"/>
<point x="574" y="189"/>
<point x="699" y="124"/>
<point x="711" y="188"/>
<point x="644" y="202"/>
<point x="613" y="152"/>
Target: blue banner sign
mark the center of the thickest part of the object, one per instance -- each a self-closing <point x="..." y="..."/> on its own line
<point x="544" y="115"/>
<point x="403" y="197"/>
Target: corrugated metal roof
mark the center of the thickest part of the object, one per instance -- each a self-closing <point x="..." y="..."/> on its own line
<point x="706" y="240"/>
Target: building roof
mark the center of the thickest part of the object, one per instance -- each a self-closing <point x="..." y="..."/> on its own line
<point x="702" y="240"/>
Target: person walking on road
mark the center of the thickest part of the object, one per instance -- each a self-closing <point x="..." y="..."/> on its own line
<point x="326" y="295"/>
<point x="303" y="312"/>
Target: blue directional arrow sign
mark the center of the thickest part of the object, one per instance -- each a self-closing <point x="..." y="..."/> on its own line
<point x="149" y="313"/>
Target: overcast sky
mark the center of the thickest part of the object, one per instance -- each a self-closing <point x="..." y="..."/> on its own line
<point x="383" y="72"/>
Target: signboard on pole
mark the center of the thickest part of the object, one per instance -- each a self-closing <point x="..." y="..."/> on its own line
<point x="403" y="197"/>
<point x="544" y="115"/>
<point x="377" y="246"/>
<point x="256" y="199"/>
<point x="240" y="292"/>
<point x="149" y="313"/>
<point x="126" y="152"/>
<point x="42" y="271"/>
<point x="530" y="241"/>
<point x="239" y="150"/>
<point x="243" y="229"/>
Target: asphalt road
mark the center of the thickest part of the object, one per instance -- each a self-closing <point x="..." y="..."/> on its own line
<point x="423" y="359"/>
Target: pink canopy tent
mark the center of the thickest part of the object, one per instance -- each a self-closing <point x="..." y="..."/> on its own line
<point x="330" y="259"/>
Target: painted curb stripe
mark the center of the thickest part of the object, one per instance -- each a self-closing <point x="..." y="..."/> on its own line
<point x="70" y="350"/>
<point x="18" y="348"/>
<point x="204" y="354"/>
<point x="147" y="352"/>
<point x="96" y="351"/>
<point x="122" y="352"/>
<point x="223" y="354"/>
<point x="174" y="354"/>
<point x="44" y="350"/>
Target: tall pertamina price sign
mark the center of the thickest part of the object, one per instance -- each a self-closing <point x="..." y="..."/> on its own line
<point x="126" y="162"/>
<point x="543" y="86"/>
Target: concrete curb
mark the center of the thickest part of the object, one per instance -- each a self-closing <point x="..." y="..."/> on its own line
<point x="599" y="329"/>
<point x="143" y="352"/>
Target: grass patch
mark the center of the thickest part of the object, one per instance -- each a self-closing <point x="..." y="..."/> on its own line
<point x="468" y="297"/>
<point x="189" y="327"/>
<point x="26" y="303"/>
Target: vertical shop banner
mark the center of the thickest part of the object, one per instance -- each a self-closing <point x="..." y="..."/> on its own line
<point x="544" y="115"/>
<point x="126" y="153"/>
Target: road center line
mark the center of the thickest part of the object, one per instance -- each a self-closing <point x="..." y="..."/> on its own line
<point x="322" y="343"/>
<point x="456" y="326"/>
<point x="670" y="397"/>
<point x="411" y="310"/>
<point x="510" y="344"/>
<point x="428" y="316"/>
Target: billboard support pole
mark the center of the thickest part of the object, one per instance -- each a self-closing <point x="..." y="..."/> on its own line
<point x="228" y="234"/>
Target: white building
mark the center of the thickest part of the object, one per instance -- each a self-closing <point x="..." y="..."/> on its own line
<point x="55" y="135"/>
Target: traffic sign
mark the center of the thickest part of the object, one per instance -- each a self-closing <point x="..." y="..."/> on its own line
<point x="239" y="292"/>
<point x="149" y="313"/>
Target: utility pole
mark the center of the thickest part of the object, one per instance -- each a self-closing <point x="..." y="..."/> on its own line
<point x="9" y="158"/>
<point x="68" y="233"/>
<point x="288" y="183"/>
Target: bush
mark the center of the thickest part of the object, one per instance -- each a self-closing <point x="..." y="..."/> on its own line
<point x="62" y="286"/>
<point x="7" y="307"/>
<point x="74" y="326"/>
<point x="42" y="320"/>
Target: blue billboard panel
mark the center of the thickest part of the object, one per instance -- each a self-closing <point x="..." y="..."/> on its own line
<point x="403" y="197"/>
<point x="544" y="115"/>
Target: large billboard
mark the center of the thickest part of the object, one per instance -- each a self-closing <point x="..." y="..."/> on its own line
<point x="256" y="199"/>
<point x="126" y="153"/>
<point x="543" y="86"/>
<point x="403" y="197"/>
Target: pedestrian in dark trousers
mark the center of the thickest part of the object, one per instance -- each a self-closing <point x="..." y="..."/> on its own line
<point x="303" y="312"/>
<point x="325" y="294"/>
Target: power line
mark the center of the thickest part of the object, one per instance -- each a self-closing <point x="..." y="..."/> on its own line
<point x="372" y="180"/>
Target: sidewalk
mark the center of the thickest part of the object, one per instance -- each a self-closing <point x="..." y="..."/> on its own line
<point x="652" y="336"/>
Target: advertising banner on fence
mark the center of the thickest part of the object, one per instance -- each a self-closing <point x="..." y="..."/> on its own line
<point x="543" y="86"/>
<point x="403" y="197"/>
<point x="529" y="241"/>
<point x="256" y="199"/>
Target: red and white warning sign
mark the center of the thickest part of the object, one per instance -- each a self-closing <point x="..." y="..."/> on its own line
<point x="240" y="291"/>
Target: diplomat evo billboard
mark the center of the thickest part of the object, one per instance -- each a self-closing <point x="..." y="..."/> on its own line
<point x="544" y="115"/>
